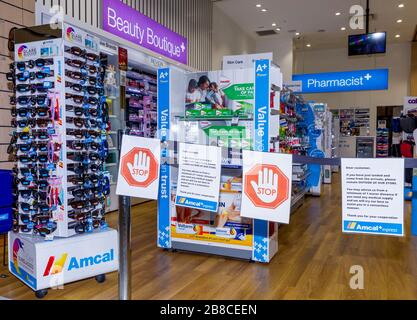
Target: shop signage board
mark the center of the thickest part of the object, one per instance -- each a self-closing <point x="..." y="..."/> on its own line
<point x="373" y="196"/>
<point x="139" y="167"/>
<point x="267" y="186"/>
<point x="360" y="80"/>
<point x="198" y="184"/>
<point x="410" y="104"/>
<point x="244" y="61"/>
<point x="129" y="24"/>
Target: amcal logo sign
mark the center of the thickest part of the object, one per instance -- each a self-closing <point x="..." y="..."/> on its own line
<point x="57" y="266"/>
<point x="412" y="101"/>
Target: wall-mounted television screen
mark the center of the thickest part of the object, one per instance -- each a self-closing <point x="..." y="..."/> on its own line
<point x="364" y="44"/>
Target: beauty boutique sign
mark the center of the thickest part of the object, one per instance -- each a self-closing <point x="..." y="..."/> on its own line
<point x="129" y="24"/>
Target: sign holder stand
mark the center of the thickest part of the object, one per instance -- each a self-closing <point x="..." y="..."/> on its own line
<point x="125" y="241"/>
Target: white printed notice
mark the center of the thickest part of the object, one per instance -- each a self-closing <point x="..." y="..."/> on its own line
<point x="199" y="177"/>
<point x="373" y="196"/>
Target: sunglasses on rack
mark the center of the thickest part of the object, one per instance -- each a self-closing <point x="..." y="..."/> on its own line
<point x="41" y="219"/>
<point x="80" y="134"/>
<point x="10" y="76"/>
<point x="42" y="147"/>
<point x="41" y="100"/>
<point x="22" y="228"/>
<point x="41" y="123"/>
<point x="80" y="88"/>
<point x="79" y="227"/>
<point x="82" y="111"/>
<point x="81" y="99"/>
<point x="75" y="63"/>
<point x="81" y="122"/>
<point x="38" y="87"/>
<point x="76" y="51"/>
<point x="21" y="66"/>
<point x="39" y="111"/>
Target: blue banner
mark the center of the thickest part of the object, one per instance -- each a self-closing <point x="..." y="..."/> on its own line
<point x="197" y="204"/>
<point x="262" y="98"/>
<point x="164" y="216"/>
<point x="361" y="80"/>
<point x="373" y="228"/>
<point x="260" y="249"/>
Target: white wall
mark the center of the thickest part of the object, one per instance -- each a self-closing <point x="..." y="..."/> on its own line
<point x="282" y="48"/>
<point x="397" y="59"/>
<point x="228" y="39"/>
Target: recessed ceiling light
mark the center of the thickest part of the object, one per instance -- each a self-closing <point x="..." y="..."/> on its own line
<point x="397" y="36"/>
<point x="274" y="24"/>
<point x="258" y="5"/>
<point x="297" y="33"/>
<point x="278" y="29"/>
<point x="264" y="10"/>
<point x="308" y="45"/>
<point x="399" y="21"/>
<point x="343" y="28"/>
<point x="338" y="13"/>
<point x="401" y="5"/>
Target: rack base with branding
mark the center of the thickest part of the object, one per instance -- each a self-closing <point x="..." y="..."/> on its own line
<point x="42" y="265"/>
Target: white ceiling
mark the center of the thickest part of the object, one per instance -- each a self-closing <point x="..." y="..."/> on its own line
<point x="309" y="16"/>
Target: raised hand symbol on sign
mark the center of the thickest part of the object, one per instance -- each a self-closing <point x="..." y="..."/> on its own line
<point x="267" y="186"/>
<point x="140" y="167"/>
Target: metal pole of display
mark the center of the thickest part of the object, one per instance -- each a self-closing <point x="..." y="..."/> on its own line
<point x="125" y="252"/>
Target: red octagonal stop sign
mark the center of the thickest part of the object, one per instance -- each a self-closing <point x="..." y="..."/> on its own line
<point x="267" y="186"/>
<point x="139" y="167"/>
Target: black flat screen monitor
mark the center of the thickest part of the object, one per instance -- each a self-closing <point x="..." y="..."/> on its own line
<point x="365" y="44"/>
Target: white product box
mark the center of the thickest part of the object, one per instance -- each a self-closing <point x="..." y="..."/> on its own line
<point x="44" y="264"/>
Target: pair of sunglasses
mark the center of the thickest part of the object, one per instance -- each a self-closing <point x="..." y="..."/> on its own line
<point x="81" y="134"/>
<point x="41" y="100"/>
<point x="83" y="111"/>
<point x="41" y="123"/>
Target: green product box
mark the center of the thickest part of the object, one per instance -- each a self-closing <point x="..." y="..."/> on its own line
<point x="208" y="113"/>
<point x="224" y="113"/>
<point x="193" y="113"/>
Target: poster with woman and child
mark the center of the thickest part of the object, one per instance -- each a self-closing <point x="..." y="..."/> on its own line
<point x="228" y="93"/>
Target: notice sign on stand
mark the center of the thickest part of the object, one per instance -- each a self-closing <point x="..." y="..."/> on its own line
<point x="267" y="186"/>
<point x="139" y="168"/>
<point x="373" y="196"/>
<point x="199" y="177"/>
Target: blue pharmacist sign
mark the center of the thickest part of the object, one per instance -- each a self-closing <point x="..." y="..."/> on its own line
<point x="361" y="80"/>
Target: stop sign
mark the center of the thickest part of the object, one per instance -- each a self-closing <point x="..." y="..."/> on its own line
<point x="139" y="167"/>
<point x="266" y="194"/>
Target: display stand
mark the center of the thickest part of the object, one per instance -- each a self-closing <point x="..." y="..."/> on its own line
<point x="251" y="121"/>
<point x="61" y="201"/>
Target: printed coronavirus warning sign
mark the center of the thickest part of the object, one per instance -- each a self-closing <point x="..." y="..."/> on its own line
<point x="198" y="184"/>
<point x="373" y="196"/>
<point x="266" y="186"/>
<point x="139" y="168"/>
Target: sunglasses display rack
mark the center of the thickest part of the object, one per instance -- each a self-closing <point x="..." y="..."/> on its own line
<point x="141" y="95"/>
<point x="60" y="146"/>
<point x="60" y="143"/>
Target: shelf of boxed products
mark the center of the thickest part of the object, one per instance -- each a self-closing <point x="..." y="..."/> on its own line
<point x="293" y="133"/>
<point x="141" y="112"/>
